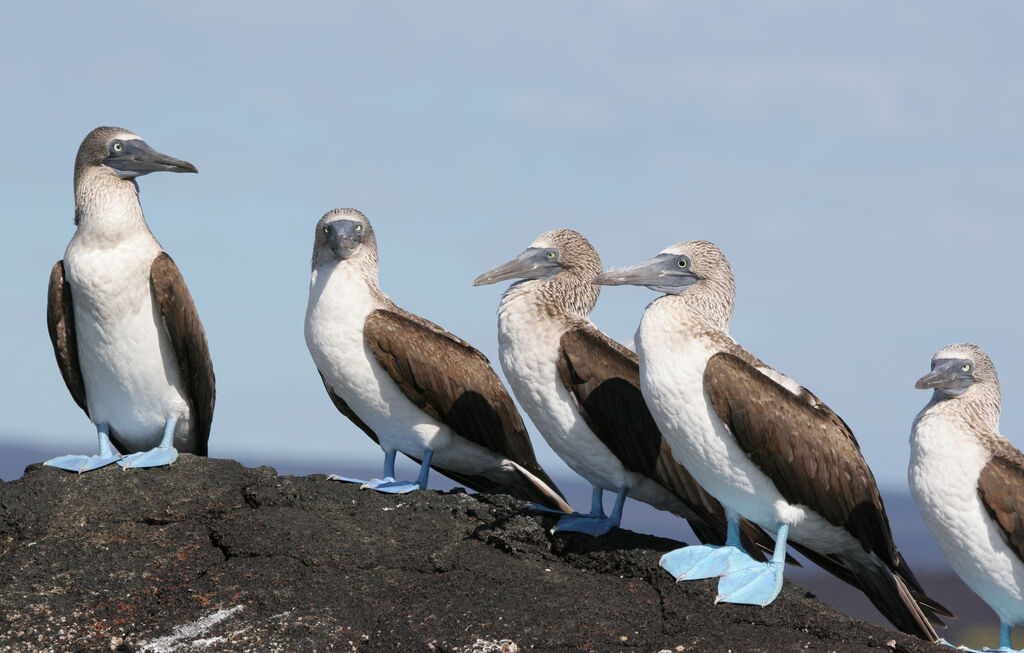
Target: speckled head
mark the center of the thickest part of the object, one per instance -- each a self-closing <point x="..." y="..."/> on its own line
<point x="675" y="269"/>
<point x="958" y="367"/>
<point x="553" y="253"/>
<point x="342" y="235"/>
<point x="124" y="154"/>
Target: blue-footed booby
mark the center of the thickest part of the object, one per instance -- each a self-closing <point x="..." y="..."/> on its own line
<point x="968" y="481"/>
<point x="124" y="329"/>
<point x="767" y="448"/>
<point x="582" y="390"/>
<point x="406" y="382"/>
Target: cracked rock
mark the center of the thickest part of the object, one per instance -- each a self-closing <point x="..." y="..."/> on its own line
<point x="209" y="555"/>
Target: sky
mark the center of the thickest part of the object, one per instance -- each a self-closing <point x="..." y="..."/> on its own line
<point x="859" y="164"/>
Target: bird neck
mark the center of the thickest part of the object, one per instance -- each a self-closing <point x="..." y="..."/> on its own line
<point x="706" y="302"/>
<point x="568" y="296"/>
<point x="107" y="208"/>
<point x="978" y="408"/>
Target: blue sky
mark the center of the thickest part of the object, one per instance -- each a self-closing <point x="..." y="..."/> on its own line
<point x="860" y="164"/>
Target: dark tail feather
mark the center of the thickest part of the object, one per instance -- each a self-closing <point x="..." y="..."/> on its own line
<point x="905" y="607"/>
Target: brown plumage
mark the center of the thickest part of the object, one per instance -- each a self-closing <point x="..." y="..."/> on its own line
<point x="603" y="378"/>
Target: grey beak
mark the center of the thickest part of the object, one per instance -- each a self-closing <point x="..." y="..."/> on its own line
<point x="344" y="237"/>
<point x="660" y="273"/>
<point x="947" y="377"/>
<point x="139" y="159"/>
<point x="534" y="263"/>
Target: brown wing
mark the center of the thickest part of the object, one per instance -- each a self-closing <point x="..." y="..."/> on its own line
<point x="185" y="331"/>
<point x="1001" y="488"/>
<point x="803" y="447"/>
<point x="60" y="321"/>
<point x="603" y="378"/>
<point x="453" y="383"/>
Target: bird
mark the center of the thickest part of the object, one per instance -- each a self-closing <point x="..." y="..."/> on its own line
<point x="406" y="382"/>
<point x="763" y="445"/>
<point x="968" y="480"/>
<point x="581" y="389"/>
<point x="126" y="334"/>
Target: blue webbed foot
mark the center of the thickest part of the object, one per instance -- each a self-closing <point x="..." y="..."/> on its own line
<point x="595" y="526"/>
<point x="156" y="457"/>
<point x="74" y="463"/>
<point x="392" y="486"/>
<point x="705" y="561"/>
<point x="372" y="483"/>
<point x="755" y="585"/>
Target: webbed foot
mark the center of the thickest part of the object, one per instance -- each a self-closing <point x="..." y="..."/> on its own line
<point x="76" y="463"/>
<point x="595" y="526"/>
<point x="156" y="457"/>
<point x="756" y="585"/>
<point x="392" y="486"/>
<point x="705" y="561"/>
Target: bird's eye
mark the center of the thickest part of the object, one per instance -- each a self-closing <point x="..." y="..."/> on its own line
<point x="327" y="230"/>
<point x="966" y="367"/>
<point x="682" y="263"/>
<point x="117" y="146"/>
<point x="550" y="256"/>
<point x="359" y="228"/>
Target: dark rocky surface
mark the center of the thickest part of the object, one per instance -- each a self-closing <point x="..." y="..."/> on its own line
<point x="209" y="555"/>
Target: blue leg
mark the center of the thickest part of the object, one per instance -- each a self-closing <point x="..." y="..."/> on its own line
<point x="595" y="523"/>
<point x="80" y="464"/>
<point x="402" y="487"/>
<point x="1005" y="641"/>
<point x="163" y="454"/>
<point x="387" y="477"/>
<point x="759" y="584"/>
<point x="709" y="560"/>
<point x="596" y="506"/>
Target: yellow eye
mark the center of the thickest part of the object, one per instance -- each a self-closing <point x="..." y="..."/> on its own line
<point x="359" y="227"/>
<point x="551" y="256"/>
<point x="117" y="146"/>
<point x="327" y="230"/>
<point x="966" y="367"/>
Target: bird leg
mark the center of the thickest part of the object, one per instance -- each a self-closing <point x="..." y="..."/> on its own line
<point x="709" y="560"/>
<point x="387" y="477"/>
<point x="75" y="463"/>
<point x="596" y="523"/>
<point x="162" y="454"/>
<point x="1005" y="641"/>
<point x="760" y="583"/>
<point x="402" y="487"/>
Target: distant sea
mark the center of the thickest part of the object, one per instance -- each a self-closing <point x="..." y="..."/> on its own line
<point x="976" y="624"/>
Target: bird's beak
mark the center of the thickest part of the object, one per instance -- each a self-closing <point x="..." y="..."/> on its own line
<point x="531" y="264"/>
<point x="140" y="159"/>
<point x="660" y="273"/>
<point x="344" y="237"/>
<point x="947" y="377"/>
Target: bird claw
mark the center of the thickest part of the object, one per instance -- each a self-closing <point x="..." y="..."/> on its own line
<point x="391" y="486"/>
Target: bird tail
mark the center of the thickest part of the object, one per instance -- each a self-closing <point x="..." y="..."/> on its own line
<point x="899" y="599"/>
<point x="513" y="479"/>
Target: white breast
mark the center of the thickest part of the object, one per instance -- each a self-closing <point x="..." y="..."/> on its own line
<point x="528" y="346"/>
<point x="340" y="300"/>
<point x="672" y="360"/>
<point x="945" y="462"/>
<point x="130" y="371"/>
